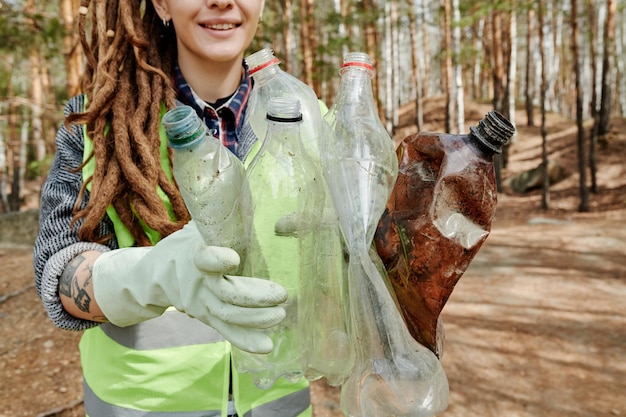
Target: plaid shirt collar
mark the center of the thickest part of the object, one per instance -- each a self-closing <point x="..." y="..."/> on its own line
<point x="225" y="122"/>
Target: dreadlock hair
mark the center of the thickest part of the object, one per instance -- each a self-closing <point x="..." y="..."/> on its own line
<point x="129" y="55"/>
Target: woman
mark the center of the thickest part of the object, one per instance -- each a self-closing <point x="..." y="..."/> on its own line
<point x="112" y="257"/>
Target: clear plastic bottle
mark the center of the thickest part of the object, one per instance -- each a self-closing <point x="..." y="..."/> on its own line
<point x="360" y="144"/>
<point x="271" y="81"/>
<point x="393" y="374"/>
<point x="438" y="217"/>
<point x="211" y="180"/>
<point x="325" y="346"/>
<point x="287" y="196"/>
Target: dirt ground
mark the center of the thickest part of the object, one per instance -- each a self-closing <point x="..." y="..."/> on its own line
<point x="535" y="328"/>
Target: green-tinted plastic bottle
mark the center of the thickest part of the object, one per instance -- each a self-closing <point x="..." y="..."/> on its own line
<point x="211" y="180"/>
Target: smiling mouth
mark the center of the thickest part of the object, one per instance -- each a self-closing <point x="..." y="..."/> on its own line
<point x="221" y="26"/>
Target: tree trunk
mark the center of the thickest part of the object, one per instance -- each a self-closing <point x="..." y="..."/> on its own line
<point x="506" y="61"/>
<point x="312" y="41"/>
<point x="388" y="66"/>
<point x="344" y="30"/>
<point x="19" y="171"/>
<point x="13" y="149"/>
<point x="306" y="44"/>
<point x="447" y="50"/>
<point x="582" y="157"/>
<point x="416" y="74"/>
<point x="396" y="70"/>
<point x="458" y="69"/>
<point x="498" y="67"/>
<point x="36" y="93"/>
<point x="478" y="60"/>
<point x="4" y="172"/>
<point x="72" y="49"/>
<point x="620" y="57"/>
<point x="288" y="36"/>
<point x="609" y="53"/>
<point x="37" y="97"/>
<point x="530" y="69"/>
<point x="370" y="10"/>
<point x="498" y="82"/>
<point x="512" y="76"/>
<point x="50" y="118"/>
<point x="592" y="37"/>
<point x="545" y="191"/>
<point x="425" y="44"/>
<point x="553" y="66"/>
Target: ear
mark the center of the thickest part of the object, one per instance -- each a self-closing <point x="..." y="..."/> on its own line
<point x="161" y="8"/>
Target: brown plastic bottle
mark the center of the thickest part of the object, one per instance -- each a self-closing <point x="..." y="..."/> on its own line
<point x="438" y="216"/>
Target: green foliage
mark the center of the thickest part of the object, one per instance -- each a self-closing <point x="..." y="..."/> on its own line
<point x="21" y="31"/>
<point x="37" y="168"/>
<point x="5" y="74"/>
<point x="25" y="32"/>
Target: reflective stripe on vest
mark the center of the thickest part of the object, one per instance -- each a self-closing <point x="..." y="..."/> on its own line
<point x="288" y="405"/>
<point x="173" y="365"/>
<point x="168" y="379"/>
<point x="128" y="375"/>
<point x="182" y="331"/>
<point x="272" y="409"/>
<point x="101" y="408"/>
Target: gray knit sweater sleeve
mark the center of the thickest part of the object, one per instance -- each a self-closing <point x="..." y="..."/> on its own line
<point x="57" y="242"/>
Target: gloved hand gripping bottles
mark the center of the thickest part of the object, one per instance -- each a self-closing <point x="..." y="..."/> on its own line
<point x="136" y="284"/>
<point x="187" y="269"/>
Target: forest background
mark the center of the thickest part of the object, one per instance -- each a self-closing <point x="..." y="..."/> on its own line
<point x="537" y="325"/>
<point x="561" y="56"/>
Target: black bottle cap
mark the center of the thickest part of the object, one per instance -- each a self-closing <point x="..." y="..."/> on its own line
<point x="493" y="132"/>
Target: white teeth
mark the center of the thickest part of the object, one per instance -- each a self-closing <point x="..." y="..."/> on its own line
<point x="222" y="26"/>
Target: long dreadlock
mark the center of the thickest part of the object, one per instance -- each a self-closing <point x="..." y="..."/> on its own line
<point x="129" y="55"/>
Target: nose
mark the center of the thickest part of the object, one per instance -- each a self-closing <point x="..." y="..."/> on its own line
<point x="220" y="4"/>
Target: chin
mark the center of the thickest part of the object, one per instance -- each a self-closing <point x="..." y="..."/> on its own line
<point x="225" y="54"/>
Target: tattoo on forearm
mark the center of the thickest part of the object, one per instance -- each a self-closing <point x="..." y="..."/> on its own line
<point x="70" y="287"/>
<point x="81" y="298"/>
<point x="69" y="275"/>
<point x="65" y="284"/>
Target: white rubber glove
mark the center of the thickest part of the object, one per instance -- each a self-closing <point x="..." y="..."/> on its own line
<point x="136" y="284"/>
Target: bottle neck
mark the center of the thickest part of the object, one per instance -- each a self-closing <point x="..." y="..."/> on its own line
<point x="477" y="146"/>
<point x="183" y="127"/>
<point x="193" y="139"/>
<point x="492" y="132"/>
<point x="274" y="127"/>
<point x="355" y="87"/>
<point x="264" y="72"/>
<point x="283" y="138"/>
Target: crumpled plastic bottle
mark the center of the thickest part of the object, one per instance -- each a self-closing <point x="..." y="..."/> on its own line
<point x="286" y="187"/>
<point x="393" y="375"/>
<point x="438" y="216"/>
<point x="211" y="179"/>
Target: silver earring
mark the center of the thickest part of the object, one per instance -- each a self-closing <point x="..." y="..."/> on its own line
<point x="166" y="23"/>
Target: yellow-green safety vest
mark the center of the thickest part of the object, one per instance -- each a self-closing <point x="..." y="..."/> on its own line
<point x="172" y="365"/>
